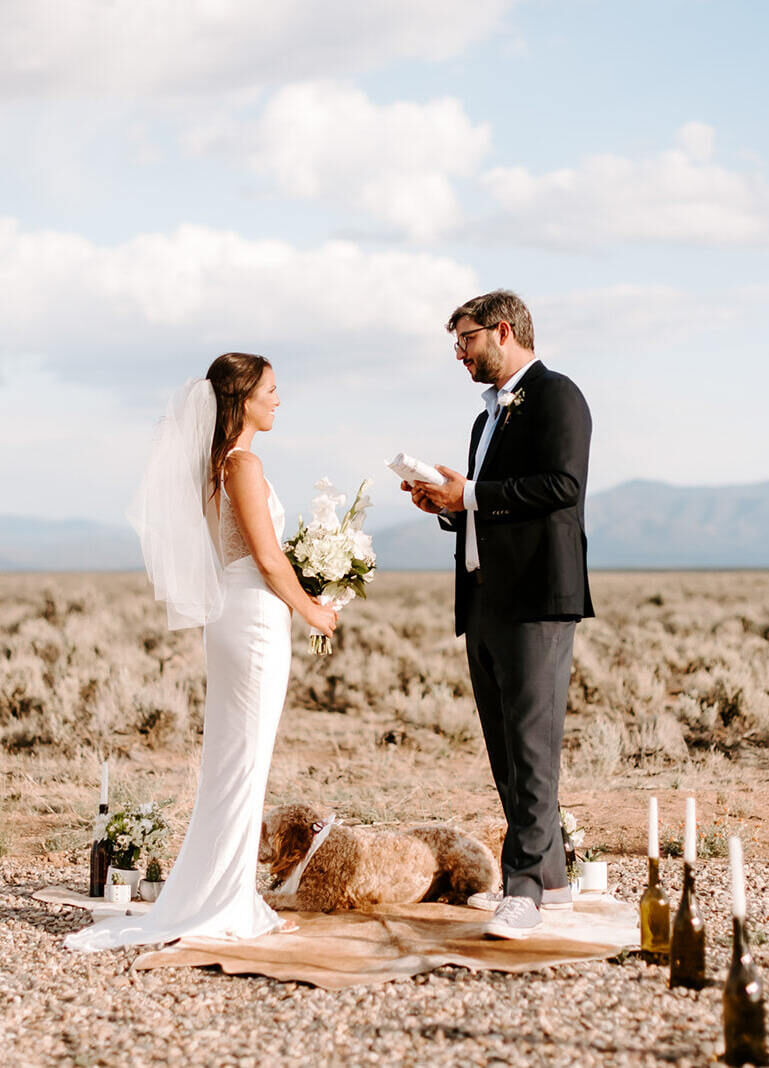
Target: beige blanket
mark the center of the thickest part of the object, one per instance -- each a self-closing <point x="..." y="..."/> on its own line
<point x="389" y="941"/>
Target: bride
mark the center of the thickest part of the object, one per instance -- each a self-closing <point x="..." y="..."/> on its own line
<point x="211" y="526"/>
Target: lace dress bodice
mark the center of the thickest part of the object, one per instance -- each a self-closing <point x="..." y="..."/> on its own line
<point x="232" y="542"/>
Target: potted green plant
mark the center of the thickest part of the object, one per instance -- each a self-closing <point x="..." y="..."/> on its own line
<point x="153" y="881"/>
<point x="593" y="873"/>
<point x="117" y="890"/>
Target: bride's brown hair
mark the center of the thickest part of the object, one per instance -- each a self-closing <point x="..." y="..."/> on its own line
<point x="234" y="376"/>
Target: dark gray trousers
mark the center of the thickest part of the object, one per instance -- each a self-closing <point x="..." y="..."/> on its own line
<point x="520" y="675"/>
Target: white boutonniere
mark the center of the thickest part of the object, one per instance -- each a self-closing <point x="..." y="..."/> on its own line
<point x="509" y="401"/>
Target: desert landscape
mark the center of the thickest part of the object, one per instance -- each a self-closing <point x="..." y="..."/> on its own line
<point x="669" y="695"/>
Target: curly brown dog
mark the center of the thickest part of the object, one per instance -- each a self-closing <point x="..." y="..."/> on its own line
<point x="355" y="866"/>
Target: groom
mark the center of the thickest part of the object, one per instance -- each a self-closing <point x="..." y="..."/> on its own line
<point x="521" y="585"/>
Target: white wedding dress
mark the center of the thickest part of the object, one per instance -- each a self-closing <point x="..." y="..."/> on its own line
<point x="211" y="890"/>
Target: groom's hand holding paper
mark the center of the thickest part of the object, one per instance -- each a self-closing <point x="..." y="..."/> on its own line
<point x="449" y="497"/>
<point x="430" y="487"/>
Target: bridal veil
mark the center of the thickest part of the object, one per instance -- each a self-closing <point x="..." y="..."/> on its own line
<point x="174" y="514"/>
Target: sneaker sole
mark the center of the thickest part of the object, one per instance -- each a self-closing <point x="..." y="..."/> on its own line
<point x="485" y="906"/>
<point x="492" y="930"/>
<point x="488" y="906"/>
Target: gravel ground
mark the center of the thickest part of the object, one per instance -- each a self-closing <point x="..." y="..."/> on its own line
<point x="60" y="1008"/>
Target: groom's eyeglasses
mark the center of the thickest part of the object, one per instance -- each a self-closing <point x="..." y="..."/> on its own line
<point x="461" y="343"/>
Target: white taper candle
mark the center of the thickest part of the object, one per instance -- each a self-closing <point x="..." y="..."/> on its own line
<point x="654" y="843"/>
<point x="738" y="877"/>
<point x="103" y="799"/>
<point x="690" y="839"/>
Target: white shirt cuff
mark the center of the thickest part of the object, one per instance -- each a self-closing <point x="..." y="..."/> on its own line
<point x="468" y="496"/>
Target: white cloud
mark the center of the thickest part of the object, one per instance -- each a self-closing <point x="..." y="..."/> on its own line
<point x="123" y="47"/>
<point x="679" y="195"/>
<point x="324" y="140"/>
<point x="697" y="141"/>
<point x="89" y="308"/>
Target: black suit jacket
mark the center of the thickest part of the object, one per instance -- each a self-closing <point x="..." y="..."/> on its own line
<point x="530" y="521"/>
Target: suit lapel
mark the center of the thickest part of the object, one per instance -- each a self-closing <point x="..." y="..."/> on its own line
<point x="531" y="375"/>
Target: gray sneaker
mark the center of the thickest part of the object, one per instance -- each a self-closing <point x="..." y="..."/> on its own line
<point x="514" y="918"/>
<point x="558" y="898"/>
<point x="490" y="900"/>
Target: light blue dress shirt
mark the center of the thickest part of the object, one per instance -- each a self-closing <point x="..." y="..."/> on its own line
<point x="491" y="398"/>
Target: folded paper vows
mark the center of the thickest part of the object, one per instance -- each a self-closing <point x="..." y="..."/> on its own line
<point x="411" y="470"/>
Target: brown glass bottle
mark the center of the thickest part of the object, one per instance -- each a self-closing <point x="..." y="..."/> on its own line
<point x="101" y="853"/>
<point x="655" y="918"/>
<point x="744" y="1025"/>
<point x="687" y="942"/>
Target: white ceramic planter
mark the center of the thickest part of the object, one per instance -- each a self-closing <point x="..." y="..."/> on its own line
<point x="117" y="893"/>
<point x="130" y="876"/>
<point x="594" y="875"/>
<point x="150" y="890"/>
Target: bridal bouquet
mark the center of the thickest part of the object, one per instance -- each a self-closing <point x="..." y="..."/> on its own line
<point x="333" y="559"/>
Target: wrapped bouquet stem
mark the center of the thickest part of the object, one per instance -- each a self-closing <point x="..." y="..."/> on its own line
<point x="320" y="644"/>
<point x="333" y="559"/>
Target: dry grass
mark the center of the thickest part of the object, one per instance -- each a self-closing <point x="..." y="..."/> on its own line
<point x="670" y="689"/>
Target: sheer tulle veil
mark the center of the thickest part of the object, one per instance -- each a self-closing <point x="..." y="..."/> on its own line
<point x="173" y="514"/>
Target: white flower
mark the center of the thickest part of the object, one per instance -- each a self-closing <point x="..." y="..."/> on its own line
<point x="510" y="398"/>
<point x="569" y="821"/>
<point x="362" y="546"/>
<point x="100" y="826"/>
<point x="324" y="506"/>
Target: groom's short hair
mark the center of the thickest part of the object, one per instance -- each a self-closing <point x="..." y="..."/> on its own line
<point x="494" y="307"/>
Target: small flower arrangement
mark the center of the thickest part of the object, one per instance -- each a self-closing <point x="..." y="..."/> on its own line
<point x="573" y="837"/>
<point x="333" y="560"/>
<point x="136" y="828"/>
<point x="572" y="828"/>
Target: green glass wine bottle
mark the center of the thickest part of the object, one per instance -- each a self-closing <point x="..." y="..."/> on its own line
<point x="687" y="942"/>
<point x="100" y="858"/>
<point x="744" y="1023"/>
<point x="655" y="918"/>
<point x="655" y="906"/>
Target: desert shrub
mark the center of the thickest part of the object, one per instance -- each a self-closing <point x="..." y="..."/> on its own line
<point x="674" y="668"/>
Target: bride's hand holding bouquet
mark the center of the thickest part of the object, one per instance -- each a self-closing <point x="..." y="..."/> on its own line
<point x="332" y="559"/>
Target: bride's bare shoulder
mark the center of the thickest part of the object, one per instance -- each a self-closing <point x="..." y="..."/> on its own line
<point x="241" y="461"/>
<point x="243" y="473"/>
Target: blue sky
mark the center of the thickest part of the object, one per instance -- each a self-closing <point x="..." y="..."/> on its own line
<point x="324" y="183"/>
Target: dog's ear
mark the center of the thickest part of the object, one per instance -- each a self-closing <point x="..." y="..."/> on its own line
<point x="290" y="843"/>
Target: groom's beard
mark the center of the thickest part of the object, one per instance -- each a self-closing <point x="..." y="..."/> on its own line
<point x="488" y="363"/>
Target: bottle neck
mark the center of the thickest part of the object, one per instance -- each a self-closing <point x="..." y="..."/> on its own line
<point x="654" y="871"/>
<point x="740" y="946"/>
<point x="688" y="880"/>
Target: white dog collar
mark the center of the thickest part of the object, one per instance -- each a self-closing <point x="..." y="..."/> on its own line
<point x="291" y="885"/>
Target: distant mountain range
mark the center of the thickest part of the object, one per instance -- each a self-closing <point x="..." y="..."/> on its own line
<point x="66" y="545"/>
<point x="637" y="524"/>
